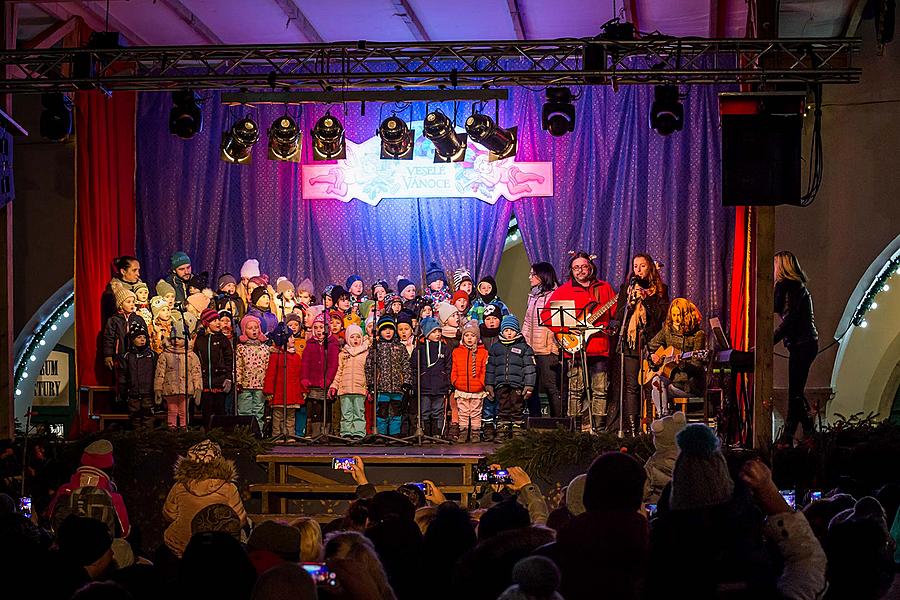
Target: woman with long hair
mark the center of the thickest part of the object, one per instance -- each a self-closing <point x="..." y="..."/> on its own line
<point x="543" y="282"/>
<point x="797" y="331"/>
<point x="646" y="297"/>
<point x="683" y="331"/>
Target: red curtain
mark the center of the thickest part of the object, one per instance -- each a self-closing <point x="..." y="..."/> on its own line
<point x="740" y="316"/>
<point x="105" y="213"/>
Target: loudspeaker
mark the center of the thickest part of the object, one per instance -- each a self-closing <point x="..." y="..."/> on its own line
<point x="231" y="422"/>
<point x="553" y="423"/>
<point x="761" y="137"/>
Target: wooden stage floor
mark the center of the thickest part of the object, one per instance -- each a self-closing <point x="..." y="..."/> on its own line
<point x="454" y="451"/>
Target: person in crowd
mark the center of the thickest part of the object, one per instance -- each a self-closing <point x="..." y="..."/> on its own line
<point x="216" y="364"/>
<point x="660" y="465"/>
<point x="162" y="324"/>
<point x="165" y="290"/>
<point x="227" y="297"/>
<point x="214" y="565"/>
<point x="392" y="529"/>
<point x="287" y="580"/>
<point x="388" y="375"/>
<point x="176" y="383"/>
<point x="408" y="293"/>
<point x="533" y="578"/>
<point x="336" y="318"/>
<point x="797" y="331"/>
<point x="126" y="274"/>
<point x="467" y="376"/>
<point x="83" y="554"/>
<point x="353" y="558"/>
<point x="284" y="300"/>
<point x="490" y="326"/>
<point x="860" y="552"/>
<point x="356" y="294"/>
<point x="115" y="342"/>
<point x="136" y="377"/>
<point x="317" y="371"/>
<point x="282" y="387"/>
<point x="393" y="305"/>
<point x="249" y="270"/>
<point x="449" y="536"/>
<point x="375" y="303"/>
<point x="405" y="331"/>
<point x="436" y="287"/>
<point x="203" y="477"/>
<point x="260" y="307"/>
<point x="820" y="512"/>
<point x="571" y="504"/>
<point x="463" y="282"/>
<point x="451" y="326"/>
<point x="430" y="363"/>
<point x="344" y="304"/>
<point x="646" y="298"/>
<point x="461" y="301"/>
<point x="142" y="303"/>
<point x="349" y="384"/>
<point x="542" y="278"/>
<point x="305" y="291"/>
<point x="272" y="543"/>
<point x="310" y="538"/>
<point x="252" y="363"/>
<point x="180" y="273"/>
<point x="510" y="374"/>
<point x="486" y="293"/>
<point x="683" y="331"/>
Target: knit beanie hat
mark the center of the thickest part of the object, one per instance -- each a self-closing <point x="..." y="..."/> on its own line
<point x="258" y="293"/>
<point x="217" y="517"/>
<point x="503" y="516"/>
<point x="157" y="303"/>
<point x="336" y="292"/>
<point x="140" y="285"/>
<point x="428" y="325"/>
<point x="461" y="274"/>
<point x="444" y="311"/>
<point x="382" y="284"/>
<point x="137" y="327"/>
<point x="83" y="540"/>
<point x="510" y="322"/>
<point x="575" y="495"/>
<point x="204" y="452"/>
<point x="98" y="454"/>
<point x="208" y="316"/>
<point x="403" y="283"/>
<point x="492" y="310"/>
<point x="246" y="321"/>
<point x="280" y="538"/>
<point x="434" y="272"/>
<point x="351" y="280"/>
<point x="460" y="295"/>
<point x="306" y="286"/>
<point x="354" y="328"/>
<point x="179" y="259"/>
<point x="225" y="279"/>
<point x="198" y="301"/>
<point x="163" y="287"/>
<point x="282" y="285"/>
<point x="122" y="294"/>
<point x="537" y="577"/>
<point x="319" y="318"/>
<point x="327" y="291"/>
<point x="386" y="322"/>
<point x="250" y="268"/>
<point x="664" y="430"/>
<point x="614" y="482"/>
<point x="405" y="316"/>
<point x="700" y="478"/>
<point x="259" y="281"/>
<point x="293" y="317"/>
<point x="472" y="327"/>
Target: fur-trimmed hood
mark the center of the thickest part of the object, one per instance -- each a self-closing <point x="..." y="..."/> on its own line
<point x="188" y="471"/>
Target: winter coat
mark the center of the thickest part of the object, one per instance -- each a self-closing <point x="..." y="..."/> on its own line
<point x="803" y="574"/>
<point x="511" y="362"/>
<point x="108" y="299"/>
<point x="162" y="331"/>
<point x="252" y="362"/>
<point x="478" y="305"/>
<point x="267" y="320"/>
<point x="433" y="368"/>
<point x="216" y="359"/>
<point x="690" y="376"/>
<point x="198" y="485"/>
<point x="659" y="469"/>
<point x="91" y="476"/>
<point x="170" y="373"/>
<point x="592" y="297"/>
<point x="314" y="365"/>
<point x="351" y="373"/>
<point x="655" y="306"/>
<point x="115" y="335"/>
<point x="468" y="369"/>
<point x="541" y="339"/>
<point x="794" y="303"/>
<point x="393" y="367"/>
<point x="138" y="372"/>
<point x="274" y="383"/>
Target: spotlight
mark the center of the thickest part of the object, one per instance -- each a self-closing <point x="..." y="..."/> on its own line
<point x="328" y="139"/>
<point x="449" y="146"/>
<point x="239" y="140"/>
<point x="558" y="114"/>
<point x="56" y="118"/>
<point x="284" y="140"/>
<point x="501" y="142"/>
<point x="396" y="139"/>
<point x="667" y="113"/>
<point x="185" y="118"/>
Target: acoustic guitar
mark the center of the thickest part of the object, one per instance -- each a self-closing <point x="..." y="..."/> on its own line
<point x="667" y="363"/>
<point x="573" y="342"/>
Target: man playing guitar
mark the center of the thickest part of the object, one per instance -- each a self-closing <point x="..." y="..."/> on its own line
<point x="594" y="303"/>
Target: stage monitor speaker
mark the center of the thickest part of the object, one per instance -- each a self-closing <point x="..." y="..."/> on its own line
<point x="231" y="422"/>
<point x="761" y="142"/>
<point x="553" y="423"/>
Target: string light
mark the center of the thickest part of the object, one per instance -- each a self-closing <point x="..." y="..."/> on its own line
<point x="879" y="285"/>
<point x="29" y="353"/>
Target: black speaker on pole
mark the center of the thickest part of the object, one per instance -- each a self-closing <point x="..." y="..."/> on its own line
<point x="761" y="138"/>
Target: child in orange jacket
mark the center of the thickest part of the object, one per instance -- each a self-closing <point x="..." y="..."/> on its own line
<point x="468" y="364"/>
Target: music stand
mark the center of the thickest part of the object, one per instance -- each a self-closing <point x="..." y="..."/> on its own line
<point x="564" y="318"/>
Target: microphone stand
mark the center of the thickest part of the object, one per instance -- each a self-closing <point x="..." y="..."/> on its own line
<point x="326" y="437"/>
<point x="623" y="341"/>
<point x="377" y="438"/>
<point x="187" y="399"/>
<point x="419" y="437"/>
<point x="284" y="436"/>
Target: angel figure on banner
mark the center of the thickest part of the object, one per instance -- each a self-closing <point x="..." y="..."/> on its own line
<point x="484" y="176"/>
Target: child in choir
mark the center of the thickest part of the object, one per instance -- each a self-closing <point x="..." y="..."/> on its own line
<point x="226" y="322"/>
<point x="169" y="382"/>
<point x="260" y="308"/>
<point x="228" y="298"/>
<point x="305" y="292"/>
<point x="142" y="303"/>
<point x="462" y="281"/>
<point x="430" y="362"/>
<point x="249" y="270"/>
<point x="252" y="357"/>
<point x="165" y="289"/>
<point x="393" y="304"/>
<point x="460" y="300"/>
<point x="486" y="294"/>
<point x="349" y="384"/>
<point x="327" y="300"/>
<point x="510" y="375"/>
<point x="469" y="364"/>
<point x="451" y="329"/>
<point x="115" y="334"/>
<point x="137" y="377"/>
<point x="343" y="303"/>
<point x="376" y="301"/>
<point x="317" y="370"/>
<point x="284" y="298"/>
<point x="162" y="324"/>
<point x="217" y="364"/>
<point x="194" y="306"/>
<point x="336" y="321"/>
<point x="405" y="331"/>
<point x="438" y="289"/>
<point x="390" y="379"/>
<point x="490" y="328"/>
<point x="356" y="290"/>
<point x="282" y="388"/>
<point x="425" y="310"/>
<point x="408" y="293"/>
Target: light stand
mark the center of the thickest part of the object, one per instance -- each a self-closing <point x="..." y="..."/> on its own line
<point x="284" y="436"/>
<point x="419" y="437"/>
<point x="326" y="437"/>
<point x="377" y="438"/>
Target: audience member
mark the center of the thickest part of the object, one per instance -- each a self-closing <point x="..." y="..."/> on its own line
<point x="286" y="581"/>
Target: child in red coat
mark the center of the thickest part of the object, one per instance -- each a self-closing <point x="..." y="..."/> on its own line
<point x="284" y="392"/>
<point x="317" y="370"/>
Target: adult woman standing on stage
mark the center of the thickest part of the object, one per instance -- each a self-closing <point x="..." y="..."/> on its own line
<point x="543" y="281"/>
<point x="126" y="274"/>
<point x="647" y="299"/>
<point x="798" y="332"/>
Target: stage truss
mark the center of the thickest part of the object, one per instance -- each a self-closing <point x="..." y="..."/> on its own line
<point x="366" y="65"/>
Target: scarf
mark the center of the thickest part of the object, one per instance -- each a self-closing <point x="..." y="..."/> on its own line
<point x="638" y="312"/>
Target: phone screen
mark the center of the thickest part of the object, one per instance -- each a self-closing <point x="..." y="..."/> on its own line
<point x="343" y="463"/>
<point x="25" y="506"/>
<point x="790" y="497"/>
<point x="813" y="496"/>
<point x="651" y="509"/>
<point x="422" y="486"/>
<point x="320" y="573"/>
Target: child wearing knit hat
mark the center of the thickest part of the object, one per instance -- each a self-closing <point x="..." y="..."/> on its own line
<point x="169" y="383"/>
<point x="142" y="302"/>
<point x="217" y="364"/>
<point x="261" y="308"/>
<point x="436" y="281"/>
<point x="317" y="371"/>
<point x="431" y="363"/>
<point x="252" y="358"/>
<point x="356" y="294"/>
<point x="285" y="298"/>
<point x="392" y="378"/>
<point x="462" y="281"/>
<point x="115" y="340"/>
<point x="136" y="377"/>
<point x="467" y="372"/>
<point x="510" y="376"/>
<point x="349" y="384"/>
<point x="282" y="387"/>
<point x="485" y="294"/>
<point x="161" y="330"/>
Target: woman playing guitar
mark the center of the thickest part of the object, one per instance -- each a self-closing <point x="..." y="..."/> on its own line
<point x="677" y="375"/>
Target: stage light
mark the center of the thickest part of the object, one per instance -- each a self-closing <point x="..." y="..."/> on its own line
<point x="239" y="140"/>
<point x="328" y="139"/>
<point x="501" y="142"/>
<point x="56" y="118"/>
<point x="449" y="146"/>
<point x="284" y="140"/>
<point x="396" y="139"/>
<point x="558" y="114"/>
<point x="185" y="118"/>
<point x="667" y="113"/>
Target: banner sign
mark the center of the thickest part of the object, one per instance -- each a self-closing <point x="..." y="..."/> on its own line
<point x="365" y="176"/>
<point x="51" y="386"/>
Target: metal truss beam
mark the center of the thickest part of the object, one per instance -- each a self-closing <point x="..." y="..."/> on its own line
<point x="361" y="65"/>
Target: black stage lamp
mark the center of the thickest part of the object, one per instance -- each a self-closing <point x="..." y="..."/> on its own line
<point x="284" y="140"/>
<point x="239" y="140"/>
<point x="667" y="112"/>
<point x="396" y="139"/>
<point x="558" y="114"/>
<point x="56" y="118"/>
<point x="185" y="118"/>
<point x="328" y="139"/>
<point x="484" y="131"/>
<point x="449" y="146"/>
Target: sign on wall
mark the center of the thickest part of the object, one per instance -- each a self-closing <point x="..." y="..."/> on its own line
<point x="51" y="386"/>
<point x="363" y="175"/>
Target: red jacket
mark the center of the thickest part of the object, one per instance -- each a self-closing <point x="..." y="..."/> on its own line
<point x="597" y="293"/>
<point x="461" y="370"/>
<point x="313" y="363"/>
<point x="275" y="379"/>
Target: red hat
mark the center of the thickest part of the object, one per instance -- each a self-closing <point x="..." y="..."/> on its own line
<point x="208" y="316"/>
<point x="98" y="454"/>
<point x="459" y="294"/>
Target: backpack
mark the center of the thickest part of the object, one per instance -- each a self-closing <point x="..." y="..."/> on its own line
<point x="88" y="501"/>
